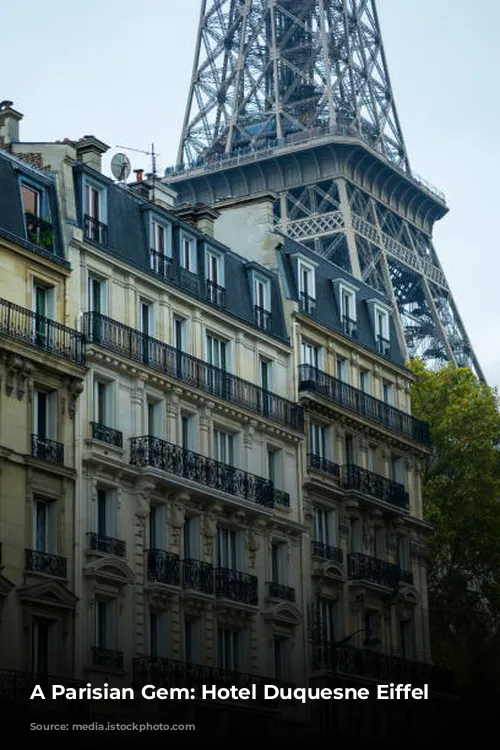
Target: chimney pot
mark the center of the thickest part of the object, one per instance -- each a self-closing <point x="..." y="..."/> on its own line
<point x="139" y="173"/>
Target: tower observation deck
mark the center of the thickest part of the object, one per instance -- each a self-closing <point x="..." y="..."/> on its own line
<point x="293" y="97"/>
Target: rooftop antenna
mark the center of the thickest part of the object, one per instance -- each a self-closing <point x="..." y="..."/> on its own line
<point x="153" y="156"/>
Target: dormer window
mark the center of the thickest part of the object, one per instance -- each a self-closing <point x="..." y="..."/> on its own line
<point x="214" y="269"/>
<point x="188" y="253"/>
<point x="345" y="294"/>
<point x="161" y="248"/>
<point x="94" y="212"/>
<point x="307" y="287"/>
<point x="381" y="316"/>
<point x="39" y="231"/>
<point x="262" y="302"/>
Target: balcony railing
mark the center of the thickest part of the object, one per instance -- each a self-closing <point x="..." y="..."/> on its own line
<point x="198" y="576"/>
<point x="36" y="330"/>
<point x="162" y="672"/>
<point x="107" y="544"/>
<point x="42" y="562"/>
<point x="307" y="303"/>
<point x="349" y="327"/>
<point x="236" y="586"/>
<point x="40" y="232"/>
<point x="47" y="450"/>
<point x="263" y="318"/>
<point x="316" y="381"/>
<point x="18" y="686"/>
<point x="282" y="498"/>
<point x="105" y="657"/>
<point x="107" y="434"/>
<point x="326" y="552"/>
<point x="360" y="662"/>
<point x="95" y="231"/>
<point x="163" y="567"/>
<point x="383" y="346"/>
<point x="215" y="294"/>
<point x="368" y="568"/>
<point x="191" y="371"/>
<point x="158" y="454"/>
<point x="323" y="464"/>
<point x="368" y="483"/>
<point x="278" y="591"/>
<point x="161" y="264"/>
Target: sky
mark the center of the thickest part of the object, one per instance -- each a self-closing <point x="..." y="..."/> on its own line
<point x="120" y="70"/>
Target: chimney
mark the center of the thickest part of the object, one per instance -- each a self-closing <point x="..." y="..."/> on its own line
<point x="200" y="216"/>
<point x="89" y="151"/>
<point x="139" y="173"/>
<point x="9" y="123"/>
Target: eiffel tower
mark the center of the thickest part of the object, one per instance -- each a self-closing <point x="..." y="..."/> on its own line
<point x="293" y="97"/>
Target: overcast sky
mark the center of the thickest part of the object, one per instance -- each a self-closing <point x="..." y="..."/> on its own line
<point x="120" y="70"/>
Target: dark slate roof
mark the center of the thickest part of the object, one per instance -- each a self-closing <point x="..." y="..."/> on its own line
<point x="12" y="223"/>
<point x="128" y="240"/>
<point x="326" y="309"/>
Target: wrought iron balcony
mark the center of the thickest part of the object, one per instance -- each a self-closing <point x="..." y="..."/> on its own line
<point x="100" y="543"/>
<point x="263" y="318"/>
<point x="368" y="483"/>
<point x="106" y="434"/>
<point x="323" y="464"/>
<point x="215" y="294"/>
<point x="198" y="576"/>
<point x="95" y="231"/>
<point x="161" y="264"/>
<point x="40" y="232"/>
<point x="162" y="672"/>
<point x="360" y="662"/>
<point x="158" y="454"/>
<point x="194" y="372"/>
<point x="43" y="333"/>
<point x="316" y="381"/>
<point x="307" y="303"/>
<point x="236" y="586"/>
<point x="163" y="567"/>
<point x="47" y="450"/>
<point x="282" y="498"/>
<point x="368" y="568"/>
<point x="278" y="591"/>
<point x="105" y="657"/>
<point x="383" y="346"/>
<point x="326" y="552"/>
<point x="19" y="686"/>
<point x="42" y="562"/>
<point x="349" y="327"/>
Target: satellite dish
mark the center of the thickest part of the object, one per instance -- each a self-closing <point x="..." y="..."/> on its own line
<point x="120" y="166"/>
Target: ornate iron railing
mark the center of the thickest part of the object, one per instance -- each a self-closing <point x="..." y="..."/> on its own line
<point x="42" y="562"/>
<point x="323" y="464"/>
<point x="95" y="230"/>
<point x="166" y="359"/>
<point x="107" y="434"/>
<point x="107" y="658"/>
<point x="279" y="591"/>
<point x="236" y="586"/>
<point x="282" y="498"/>
<point x="158" y="454"/>
<point x="36" y="330"/>
<point x="40" y="232"/>
<point x="47" y="450"/>
<point x="215" y="294"/>
<point x="360" y="662"/>
<point x="307" y="303"/>
<point x="349" y="327"/>
<point x="263" y="318"/>
<point x="368" y="568"/>
<point x="101" y="543"/>
<point x="198" y="576"/>
<point x="383" y="346"/>
<point x="163" y="567"/>
<point x="368" y="483"/>
<point x="316" y="381"/>
<point x="326" y="552"/>
<point x="161" y="264"/>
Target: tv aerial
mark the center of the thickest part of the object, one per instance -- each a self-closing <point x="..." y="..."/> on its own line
<point x="120" y="167"/>
<point x="153" y="156"/>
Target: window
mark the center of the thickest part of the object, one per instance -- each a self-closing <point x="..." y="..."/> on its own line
<point x="403" y="553"/>
<point x="192" y="538"/>
<point x="382" y="332"/>
<point x="32" y="200"/>
<point x="279" y="558"/>
<point x="146" y="327"/>
<point x="180" y="337"/>
<point x="94" y="213"/>
<point x="397" y="469"/>
<point x="325" y="527"/>
<point x="154" y="418"/>
<point x="407" y="641"/>
<point x="105" y="513"/>
<point x="328" y="615"/>
<point x="44" y="526"/>
<point x="217" y="351"/>
<point x="104" y="624"/>
<point x="97" y="305"/>
<point x="44" y="309"/>
<point x="229" y="549"/>
<point x="265" y="378"/>
<point x="157" y="527"/>
<point x="42" y="647"/>
<point x="156" y="635"/>
<point x="192" y="641"/>
<point x="274" y="467"/>
<point x="228" y="647"/>
<point x="188" y="432"/>
<point x="348" y="312"/>
<point x="223" y="447"/>
<point x="307" y="288"/>
<point x="388" y="393"/>
<point x="161" y="248"/>
<point x="342" y="369"/>
<point x="372" y="459"/>
<point x="317" y="440"/>
<point x="262" y="302"/>
<point x="214" y="277"/>
<point x="379" y="544"/>
<point x="364" y="381"/>
<point x="103" y="403"/>
<point x="310" y="354"/>
<point x="188" y="253"/>
<point x="45" y="415"/>
<point x="372" y="628"/>
<point x="281" y="658"/>
<point x="350" y="456"/>
<point x="93" y="202"/>
<point x="355" y="536"/>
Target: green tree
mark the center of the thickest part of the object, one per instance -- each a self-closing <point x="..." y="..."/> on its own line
<point x="461" y="492"/>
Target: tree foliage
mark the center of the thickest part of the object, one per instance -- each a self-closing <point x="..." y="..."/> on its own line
<point x="461" y="492"/>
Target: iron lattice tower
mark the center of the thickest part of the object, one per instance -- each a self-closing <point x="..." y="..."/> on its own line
<point x="293" y="97"/>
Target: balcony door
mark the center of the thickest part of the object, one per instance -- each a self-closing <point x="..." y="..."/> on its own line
<point x="229" y="549"/>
